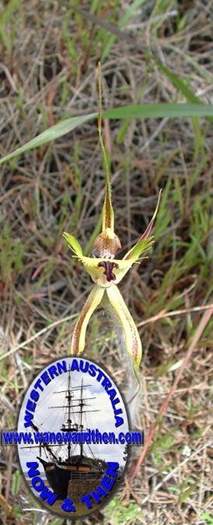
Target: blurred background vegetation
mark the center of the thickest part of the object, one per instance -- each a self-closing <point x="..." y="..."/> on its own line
<point x="151" y="51"/>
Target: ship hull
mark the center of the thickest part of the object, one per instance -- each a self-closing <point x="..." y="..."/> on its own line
<point x="65" y="478"/>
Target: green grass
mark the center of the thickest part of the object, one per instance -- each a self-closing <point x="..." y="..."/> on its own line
<point x="11" y="255"/>
<point x="119" y="513"/>
<point x="157" y="90"/>
<point x="8" y="19"/>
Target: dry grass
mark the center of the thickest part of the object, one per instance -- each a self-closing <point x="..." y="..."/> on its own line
<point x="48" y="55"/>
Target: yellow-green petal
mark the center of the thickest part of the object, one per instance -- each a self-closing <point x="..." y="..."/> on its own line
<point x="145" y="242"/>
<point x="73" y="244"/>
<point x="132" y="338"/>
<point x="107" y="211"/>
<point x="140" y="248"/>
<point x="79" y="333"/>
<point x="149" y="228"/>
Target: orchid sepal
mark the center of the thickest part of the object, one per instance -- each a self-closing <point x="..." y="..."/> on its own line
<point x="132" y="338"/>
<point x="79" y="332"/>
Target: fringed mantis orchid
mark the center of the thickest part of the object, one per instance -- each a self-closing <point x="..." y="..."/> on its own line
<point x="106" y="271"/>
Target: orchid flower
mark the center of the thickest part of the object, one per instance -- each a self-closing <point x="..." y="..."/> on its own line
<point x="106" y="272"/>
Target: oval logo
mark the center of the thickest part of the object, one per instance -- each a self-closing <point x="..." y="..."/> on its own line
<point x="75" y="426"/>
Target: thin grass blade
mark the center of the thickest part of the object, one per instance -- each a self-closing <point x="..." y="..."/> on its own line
<point x="124" y="112"/>
<point x="50" y="134"/>
<point x="160" y="111"/>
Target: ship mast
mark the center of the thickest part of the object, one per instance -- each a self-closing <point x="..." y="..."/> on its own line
<point x="74" y="403"/>
<point x="69" y="422"/>
<point x="68" y="425"/>
<point x="81" y="416"/>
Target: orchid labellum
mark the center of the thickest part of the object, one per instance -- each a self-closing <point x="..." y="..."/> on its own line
<point x="106" y="272"/>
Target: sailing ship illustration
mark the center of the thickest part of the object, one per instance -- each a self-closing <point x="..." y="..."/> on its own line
<point x="72" y="469"/>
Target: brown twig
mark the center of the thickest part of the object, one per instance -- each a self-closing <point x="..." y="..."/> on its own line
<point x="163" y="314"/>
